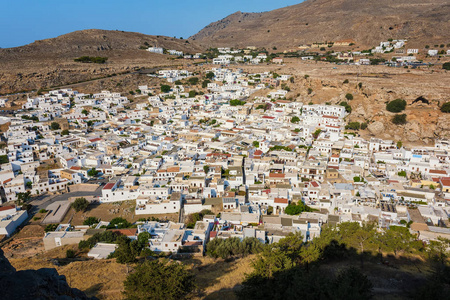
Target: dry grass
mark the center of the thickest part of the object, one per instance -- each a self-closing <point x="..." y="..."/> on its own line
<point x="218" y="279"/>
<point x="109" y="211"/>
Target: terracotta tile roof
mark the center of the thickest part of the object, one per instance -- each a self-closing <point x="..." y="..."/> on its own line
<point x="276" y="175"/>
<point x="7" y="207"/>
<point x="281" y="200"/>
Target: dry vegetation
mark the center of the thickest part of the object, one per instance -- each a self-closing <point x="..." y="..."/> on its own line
<point x="109" y="211"/>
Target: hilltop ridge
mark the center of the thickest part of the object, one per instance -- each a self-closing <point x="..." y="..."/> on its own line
<point x="366" y="22"/>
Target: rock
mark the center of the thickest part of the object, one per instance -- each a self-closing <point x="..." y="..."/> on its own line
<point x="34" y="284"/>
<point x="376" y="128"/>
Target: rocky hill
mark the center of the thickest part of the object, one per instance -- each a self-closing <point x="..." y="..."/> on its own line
<point x="50" y="62"/>
<point x="367" y="22"/>
<point x="34" y="284"/>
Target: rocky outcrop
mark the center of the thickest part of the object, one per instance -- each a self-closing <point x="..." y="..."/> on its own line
<point x="376" y="128"/>
<point x="34" y="284"/>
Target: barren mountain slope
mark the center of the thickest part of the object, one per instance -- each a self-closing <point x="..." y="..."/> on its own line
<point x="365" y="21"/>
<point x="50" y="62"/>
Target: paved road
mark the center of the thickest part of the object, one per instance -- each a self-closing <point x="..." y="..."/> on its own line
<point x="43" y="201"/>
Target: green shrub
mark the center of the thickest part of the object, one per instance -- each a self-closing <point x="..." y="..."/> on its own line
<point x="396" y="105"/>
<point x="445" y="108"/>
<point x="90" y="221"/>
<point x="446" y="66"/>
<point x="353" y="126"/>
<point x="70" y="253"/>
<point x="349" y="96"/>
<point x="399" y="119"/>
<point x="91" y="59"/>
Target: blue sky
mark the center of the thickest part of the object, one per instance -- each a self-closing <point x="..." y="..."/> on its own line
<point x="24" y="21"/>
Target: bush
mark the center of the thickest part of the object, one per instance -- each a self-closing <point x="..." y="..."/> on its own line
<point x="105" y="237"/>
<point x="353" y="126"/>
<point x="296" y="209"/>
<point x="165" y="88"/>
<point x="91" y="59"/>
<point x="236" y="102"/>
<point x="295" y="119"/>
<point x="65" y="132"/>
<point x="225" y="248"/>
<point x="193" y="80"/>
<point x="446" y="66"/>
<point x="80" y="204"/>
<point x="90" y="221"/>
<point x="155" y="279"/>
<point x="349" y="96"/>
<point x="445" y="108"/>
<point x="348" y="108"/>
<point x="399" y="119"/>
<point x="118" y="223"/>
<point x="396" y="105"/>
<point x="363" y="125"/>
<point x="345" y="81"/>
<point x="50" y="227"/>
<point x="70" y="253"/>
<point x="54" y="126"/>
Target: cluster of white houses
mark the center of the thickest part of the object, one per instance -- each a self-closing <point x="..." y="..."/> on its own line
<point x="247" y="161"/>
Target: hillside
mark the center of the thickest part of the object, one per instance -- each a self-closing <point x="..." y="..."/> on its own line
<point x="50" y="62"/>
<point x="366" y="22"/>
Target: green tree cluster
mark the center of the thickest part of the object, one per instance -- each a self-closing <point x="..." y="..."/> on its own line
<point x="297" y="208"/>
<point x="399" y="119"/>
<point x="156" y="279"/>
<point x="225" y="248"/>
<point x="396" y="105"/>
<point x="80" y="204"/>
<point x="236" y="102"/>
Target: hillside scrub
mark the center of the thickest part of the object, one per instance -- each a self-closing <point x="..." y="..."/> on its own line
<point x="399" y="119"/>
<point x="445" y="108"/>
<point x="91" y="59"/>
<point x="396" y="105"/>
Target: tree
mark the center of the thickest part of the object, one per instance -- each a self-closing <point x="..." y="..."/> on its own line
<point x="23" y="197"/>
<point x="445" y="108"/>
<point x="165" y="88"/>
<point x="399" y="144"/>
<point x="205" y="83"/>
<point x="353" y="126"/>
<point x="80" y="204"/>
<point x="85" y="112"/>
<point x="396" y="105"/>
<point x="28" y="185"/>
<point x="402" y="173"/>
<point x="92" y="172"/>
<point x="296" y="209"/>
<point x="349" y="96"/>
<point x="118" y="223"/>
<point x="193" y="80"/>
<point x="348" y="108"/>
<point x="255" y="144"/>
<point x="70" y="253"/>
<point x="351" y="284"/>
<point x="399" y="119"/>
<point x="192" y="94"/>
<point x="155" y="279"/>
<point x="295" y="119"/>
<point x="54" y="126"/>
<point x="446" y="65"/>
<point x="90" y="221"/>
<point x="209" y="75"/>
<point x="206" y="169"/>
<point x="4" y="159"/>
<point x="236" y="102"/>
<point x="65" y="132"/>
